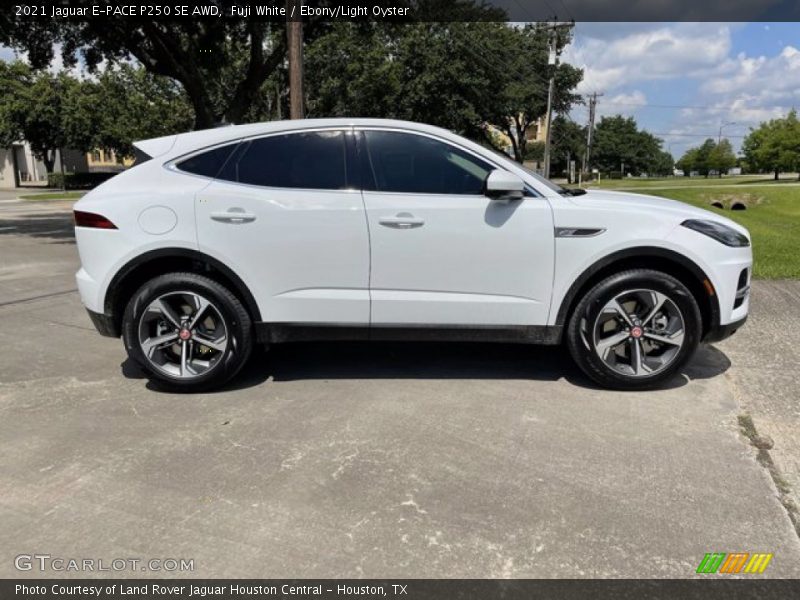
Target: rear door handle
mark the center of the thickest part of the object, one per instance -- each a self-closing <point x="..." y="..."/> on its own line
<point x="402" y="220"/>
<point x="233" y="215"/>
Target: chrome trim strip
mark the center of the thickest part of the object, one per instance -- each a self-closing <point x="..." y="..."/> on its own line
<point x="578" y="232"/>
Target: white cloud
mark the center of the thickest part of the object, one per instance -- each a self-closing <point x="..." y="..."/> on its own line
<point x="696" y="60"/>
<point x="647" y="52"/>
<point x="625" y="103"/>
<point x="746" y="90"/>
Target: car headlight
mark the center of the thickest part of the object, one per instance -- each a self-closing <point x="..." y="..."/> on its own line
<point x="722" y="233"/>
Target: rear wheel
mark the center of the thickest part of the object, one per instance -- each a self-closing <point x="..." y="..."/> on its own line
<point x="634" y="330"/>
<point x="187" y="331"/>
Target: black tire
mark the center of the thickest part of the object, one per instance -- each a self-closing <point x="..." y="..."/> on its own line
<point x="237" y="323"/>
<point x="580" y="328"/>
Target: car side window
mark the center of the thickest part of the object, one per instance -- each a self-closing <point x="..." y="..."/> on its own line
<point x="207" y="164"/>
<point x="309" y="160"/>
<point x="416" y="164"/>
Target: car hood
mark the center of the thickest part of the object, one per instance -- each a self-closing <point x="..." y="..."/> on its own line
<point x="625" y="201"/>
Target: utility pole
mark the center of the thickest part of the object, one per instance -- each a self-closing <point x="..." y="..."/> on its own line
<point x="553" y="62"/>
<point x="294" y="32"/>
<point x="547" y="121"/>
<point x="590" y="131"/>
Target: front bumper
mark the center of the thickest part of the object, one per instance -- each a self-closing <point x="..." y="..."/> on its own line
<point x="719" y="332"/>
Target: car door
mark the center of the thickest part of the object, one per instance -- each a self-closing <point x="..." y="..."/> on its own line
<point x="443" y="253"/>
<point x="283" y="214"/>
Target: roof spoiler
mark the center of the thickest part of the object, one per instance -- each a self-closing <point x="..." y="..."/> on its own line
<point x="153" y="147"/>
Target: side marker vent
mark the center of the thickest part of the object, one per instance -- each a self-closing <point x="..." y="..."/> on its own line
<point x="577" y="232"/>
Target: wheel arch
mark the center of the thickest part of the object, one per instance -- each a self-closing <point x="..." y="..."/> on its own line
<point x="650" y="257"/>
<point x="166" y="260"/>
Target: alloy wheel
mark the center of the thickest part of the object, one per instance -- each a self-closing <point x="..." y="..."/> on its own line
<point x="638" y="333"/>
<point x="183" y="334"/>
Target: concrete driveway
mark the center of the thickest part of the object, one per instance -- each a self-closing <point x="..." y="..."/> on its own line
<point x="384" y="460"/>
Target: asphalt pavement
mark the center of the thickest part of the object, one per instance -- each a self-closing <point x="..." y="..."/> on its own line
<point x="382" y="460"/>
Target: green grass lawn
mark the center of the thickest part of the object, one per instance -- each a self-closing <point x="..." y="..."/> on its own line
<point x="773" y="219"/>
<point x="53" y="196"/>
<point x="631" y="183"/>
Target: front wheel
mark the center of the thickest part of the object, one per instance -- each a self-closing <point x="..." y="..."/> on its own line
<point x="634" y="330"/>
<point x="187" y="331"/>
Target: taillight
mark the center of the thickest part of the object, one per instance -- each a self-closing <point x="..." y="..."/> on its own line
<point x="87" y="219"/>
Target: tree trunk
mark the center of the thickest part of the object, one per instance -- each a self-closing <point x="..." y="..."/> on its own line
<point x="515" y="148"/>
<point x="203" y="113"/>
<point x="776" y="174"/>
<point x="49" y="161"/>
<point x="522" y="147"/>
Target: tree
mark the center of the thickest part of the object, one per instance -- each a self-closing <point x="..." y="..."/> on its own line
<point x="222" y="62"/>
<point x="568" y="144"/>
<point x="58" y="111"/>
<point x="620" y="146"/>
<point x="411" y="71"/>
<point x="48" y="111"/>
<point x="197" y="52"/>
<point x="721" y="158"/>
<point x="135" y="105"/>
<point x="661" y="164"/>
<point x="463" y="76"/>
<point x="707" y="157"/>
<point x="689" y="161"/>
<point x="703" y="156"/>
<point x="774" y="145"/>
<point x="519" y="99"/>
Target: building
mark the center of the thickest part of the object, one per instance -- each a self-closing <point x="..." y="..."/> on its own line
<point x="536" y="132"/>
<point x="106" y="161"/>
<point x="20" y="167"/>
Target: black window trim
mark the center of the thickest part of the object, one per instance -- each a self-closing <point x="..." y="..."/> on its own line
<point x="361" y="129"/>
<point x="172" y="164"/>
<point x="352" y="157"/>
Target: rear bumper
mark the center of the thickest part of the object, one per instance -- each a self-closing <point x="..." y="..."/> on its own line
<point x="720" y="332"/>
<point x="104" y="324"/>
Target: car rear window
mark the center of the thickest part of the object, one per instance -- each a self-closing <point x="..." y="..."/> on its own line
<point x="209" y="163"/>
<point x="307" y="160"/>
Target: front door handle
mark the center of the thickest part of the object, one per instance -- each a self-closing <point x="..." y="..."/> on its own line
<point x="402" y="220"/>
<point x="233" y="215"/>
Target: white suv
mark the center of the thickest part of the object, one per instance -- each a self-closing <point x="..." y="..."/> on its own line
<point x="374" y="229"/>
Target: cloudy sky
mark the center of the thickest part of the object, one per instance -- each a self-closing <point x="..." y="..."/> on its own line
<point x="683" y="80"/>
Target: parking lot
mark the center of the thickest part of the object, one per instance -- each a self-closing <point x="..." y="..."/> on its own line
<point x="383" y="460"/>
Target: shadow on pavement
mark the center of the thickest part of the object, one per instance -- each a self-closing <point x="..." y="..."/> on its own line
<point x="56" y="226"/>
<point x="408" y="360"/>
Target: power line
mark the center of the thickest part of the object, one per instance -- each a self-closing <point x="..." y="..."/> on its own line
<point x="713" y="135"/>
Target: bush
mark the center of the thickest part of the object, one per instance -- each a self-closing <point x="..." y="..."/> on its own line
<point x="77" y="181"/>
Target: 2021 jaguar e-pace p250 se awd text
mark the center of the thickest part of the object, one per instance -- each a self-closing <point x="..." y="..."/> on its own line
<point x="373" y="229"/>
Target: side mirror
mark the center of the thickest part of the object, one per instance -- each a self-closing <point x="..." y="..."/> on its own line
<point x="504" y="185"/>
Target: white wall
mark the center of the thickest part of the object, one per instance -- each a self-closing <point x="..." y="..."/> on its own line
<point x="6" y="169"/>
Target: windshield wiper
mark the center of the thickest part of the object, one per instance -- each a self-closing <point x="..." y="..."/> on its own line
<point x="572" y="192"/>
